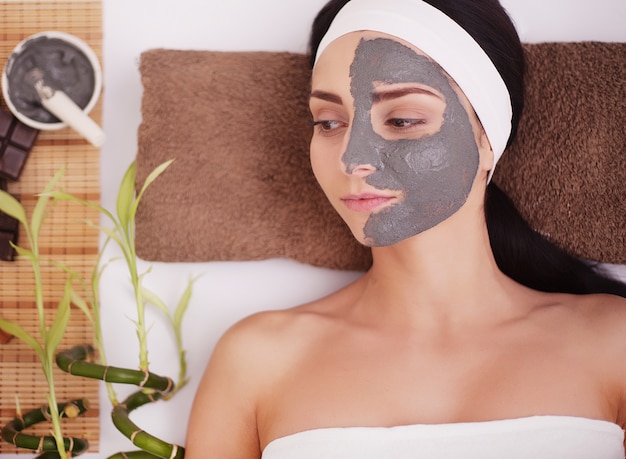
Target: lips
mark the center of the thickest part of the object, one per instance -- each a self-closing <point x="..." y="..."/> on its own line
<point x="367" y="202"/>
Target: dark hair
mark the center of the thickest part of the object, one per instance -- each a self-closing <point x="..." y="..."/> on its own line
<point x="520" y="252"/>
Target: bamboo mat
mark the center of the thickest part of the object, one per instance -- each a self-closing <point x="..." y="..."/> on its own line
<point x="65" y="237"/>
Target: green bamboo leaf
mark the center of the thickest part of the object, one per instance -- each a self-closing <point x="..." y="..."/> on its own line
<point x="70" y="272"/>
<point x="22" y="252"/>
<point x="81" y="304"/>
<point x="12" y="207"/>
<point x="155" y="174"/>
<point x="143" y="275"/>
<point x="153" y="298"/>
<point x="62" y="317"/>
<point x="125" y="196"/>
<point x="98" y="274"/>
<point x="111" y="234"/>
<point x="105" y="244"/>
<point x="63" y="196"/>
<point x="38" y="215"/>
<point x="151" y="178"/>
<point x="17" y="331"/>
<point x="183" y="304"/>
<point x="54" y="180"/>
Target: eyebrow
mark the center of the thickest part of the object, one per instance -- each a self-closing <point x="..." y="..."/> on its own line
<point x="327" y="96"/>
<point x="381" y="96"/>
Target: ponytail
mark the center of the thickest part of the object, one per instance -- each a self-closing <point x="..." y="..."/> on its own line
<point x="531" y="259"/>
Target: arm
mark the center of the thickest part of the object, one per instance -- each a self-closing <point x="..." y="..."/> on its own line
<point x="222" y="424"/>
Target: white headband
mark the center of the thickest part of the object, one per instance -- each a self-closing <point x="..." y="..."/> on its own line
<point x="448" y="44"/>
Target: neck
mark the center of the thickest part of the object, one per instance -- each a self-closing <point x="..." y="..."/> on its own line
<point x="443" y="276"/>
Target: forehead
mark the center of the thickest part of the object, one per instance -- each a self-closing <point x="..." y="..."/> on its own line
<point x="350" y="67"/>
<point x="376" y="57"/>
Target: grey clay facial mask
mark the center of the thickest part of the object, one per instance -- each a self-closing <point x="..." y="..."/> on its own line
<point x="435" y="173"/>
<point x="64" y="68"/>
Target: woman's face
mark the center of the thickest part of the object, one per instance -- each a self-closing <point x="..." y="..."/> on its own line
<point x="395" y="144"/>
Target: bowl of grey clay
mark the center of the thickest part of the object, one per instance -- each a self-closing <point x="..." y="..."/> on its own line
<point x="54" y="61"/>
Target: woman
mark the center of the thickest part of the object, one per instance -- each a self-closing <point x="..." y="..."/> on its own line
<point x="446" y="347"/>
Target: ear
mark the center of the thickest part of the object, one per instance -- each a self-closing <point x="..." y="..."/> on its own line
<point x="485" y="152"/>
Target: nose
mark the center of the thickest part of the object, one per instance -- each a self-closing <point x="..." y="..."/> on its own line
<point x="362" y="156"/>
<point x="360" y="170"/>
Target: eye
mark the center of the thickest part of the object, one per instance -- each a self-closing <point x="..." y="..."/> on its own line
<point x="328" y="127"/>
<point x="405" y="123"/>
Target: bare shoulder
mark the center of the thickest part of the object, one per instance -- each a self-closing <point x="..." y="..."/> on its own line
<point x="601" y="319"/>
<point x="275" y="333"/>
<point x="604" y="313"/>
<point x="595" y="324"/>
<point x="262" y="338"/>
<point x="606" y="316"/>
<point x="262" y="347"/>
<point x="243" y="367"/>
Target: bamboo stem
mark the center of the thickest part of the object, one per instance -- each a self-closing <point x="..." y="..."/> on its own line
<point x="73" y="361"/>
<point x="140" y="438"/>
<point x="155" y="387"/>
<point x="54" y="412"/>
<point x="32" y="232"/>
<point x="12" y="432"/>
<point x="95" y="288"/>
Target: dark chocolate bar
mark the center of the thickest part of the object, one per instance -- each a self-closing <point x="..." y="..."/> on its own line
<point x="16" y="141"/>
<point x="7" y="252"/>
<point x="9" y="232"/>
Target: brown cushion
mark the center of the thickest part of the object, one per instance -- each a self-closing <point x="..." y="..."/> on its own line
<point x="566" y="170"/>
<point x="241" y="187"/>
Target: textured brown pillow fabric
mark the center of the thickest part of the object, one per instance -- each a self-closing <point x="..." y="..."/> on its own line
<point x="566" y="170"/>
<point x="241" y="187"/>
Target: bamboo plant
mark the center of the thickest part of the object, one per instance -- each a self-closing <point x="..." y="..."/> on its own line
<point x="47" y="340"/>
<point x="81" y="360"/>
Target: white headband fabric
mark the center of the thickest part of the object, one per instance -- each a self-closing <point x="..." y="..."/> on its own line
<point x="448" y="44"/>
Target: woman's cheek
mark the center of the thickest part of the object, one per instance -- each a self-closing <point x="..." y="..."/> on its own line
<point x="316" y="161"/>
